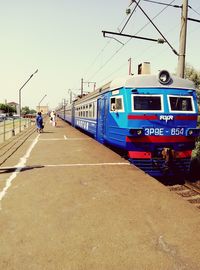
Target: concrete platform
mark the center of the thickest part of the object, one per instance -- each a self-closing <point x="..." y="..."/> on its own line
<point x="70" y="203"/>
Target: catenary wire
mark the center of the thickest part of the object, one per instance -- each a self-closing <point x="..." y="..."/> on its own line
<point x="119" y="49"/>
<point x="122" y="66"/>
<point x="130" y="17"/>
<point x="103" y="49"/>
<point x="194" y="10"/>
<point x="161" y="3"/>
<point x="138" y="56"/>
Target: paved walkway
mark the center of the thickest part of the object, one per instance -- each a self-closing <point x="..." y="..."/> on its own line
<point x="70" y="203"/>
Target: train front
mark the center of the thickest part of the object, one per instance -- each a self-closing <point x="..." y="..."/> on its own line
<point x="162" y="124"/>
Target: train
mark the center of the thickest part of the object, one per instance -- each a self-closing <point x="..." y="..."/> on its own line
<point x="151" y="118"/>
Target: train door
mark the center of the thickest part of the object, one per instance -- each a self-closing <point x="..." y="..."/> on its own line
<point x="101" y="119"/>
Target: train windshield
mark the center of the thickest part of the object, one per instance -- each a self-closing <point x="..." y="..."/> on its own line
<point x="147" y="103"/>
<point x="180" y="104"/>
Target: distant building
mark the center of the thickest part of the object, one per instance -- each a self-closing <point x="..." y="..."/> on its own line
<point x="42" y="109"/>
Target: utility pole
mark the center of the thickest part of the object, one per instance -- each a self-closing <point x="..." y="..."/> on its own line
<point x="20" y="97"/>
<point x="129" y="68"/>
<point x="40" y="102"/>
<point x="82" y="82"/>
<point x="182" y="40"/>
<point x="81" y="87"/>
<point x="70" y="96"/>
<point x="64" y="104"/>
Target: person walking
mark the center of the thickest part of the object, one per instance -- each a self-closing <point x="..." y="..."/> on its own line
<point x="53" y="118"/>
<point x="39" y="122"/>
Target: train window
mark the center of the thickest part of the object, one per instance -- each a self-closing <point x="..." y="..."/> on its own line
<point x="90" y="110"/>
<point x="95" y="109"/>
<point x="147" y="103"/>
<point x="116" y="104"/>
<point x="181" y="104"/>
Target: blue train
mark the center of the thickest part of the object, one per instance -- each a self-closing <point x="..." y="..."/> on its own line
<point x="152" y="118"/>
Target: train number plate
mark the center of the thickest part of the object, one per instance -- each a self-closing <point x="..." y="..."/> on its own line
<point x="164" y="131"/>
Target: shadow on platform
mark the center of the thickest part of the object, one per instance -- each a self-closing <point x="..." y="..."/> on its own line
<point x="21" y="169"/>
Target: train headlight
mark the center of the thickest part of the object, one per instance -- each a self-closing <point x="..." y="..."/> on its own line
<point x="193" y="132"/>
<point x="164" y="77"/>
<point x="136" y="131"/>
<point x="190" y="132"/>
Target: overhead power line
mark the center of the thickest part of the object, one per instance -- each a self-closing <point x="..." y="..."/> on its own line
<point x="175" y="6"/>
<point x="194" y="11"/>
<point x="129" y="17"/>
<point x="151" y="21"/>
<point x="122" y="46"/>
<point x="157" y="28"/>
<point x="194" y="20"/>
<point x="103" y="49"/>
<point x="161" y="3"/>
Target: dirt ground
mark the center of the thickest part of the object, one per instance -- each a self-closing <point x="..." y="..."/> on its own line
<point x="73" y="204"/>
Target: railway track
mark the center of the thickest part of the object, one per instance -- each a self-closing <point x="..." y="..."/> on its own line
<point x="8" y="148"/>
<point x="189" y="191"/>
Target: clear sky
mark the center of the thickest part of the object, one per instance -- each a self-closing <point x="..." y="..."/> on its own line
<point x="63" y="40"/>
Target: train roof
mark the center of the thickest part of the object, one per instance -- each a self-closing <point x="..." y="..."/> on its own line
<point x="140" y="81"/>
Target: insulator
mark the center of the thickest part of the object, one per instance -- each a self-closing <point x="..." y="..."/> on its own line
<point x="128" y="11"/>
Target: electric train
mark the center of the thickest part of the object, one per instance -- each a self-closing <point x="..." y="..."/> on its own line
<point x="151" y="118"/>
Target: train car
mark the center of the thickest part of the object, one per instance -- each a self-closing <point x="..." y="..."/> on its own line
<point x="152" y="118"/>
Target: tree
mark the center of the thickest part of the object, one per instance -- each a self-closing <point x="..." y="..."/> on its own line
<point x="33" y="111"/>
<point x="7" y="109"/>
<point x="2" y="107"/>
<point x="25" y="110"/>
<point x="193" y="75"/>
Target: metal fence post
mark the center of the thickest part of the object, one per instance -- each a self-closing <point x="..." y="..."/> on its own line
<point x="13" y="127"/>
<point x="4" y="130"/>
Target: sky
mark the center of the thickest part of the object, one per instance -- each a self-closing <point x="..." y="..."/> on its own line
<point x="63" y="40"/>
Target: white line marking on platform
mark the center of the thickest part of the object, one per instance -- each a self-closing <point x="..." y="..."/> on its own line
<point x="71" y="139"/>
<point x="82" y="139"/>
<point x="86" y="164"/>
<point x="19" y="167"/>
<point x="52" y="139"/>
<point x="69" y="165"/>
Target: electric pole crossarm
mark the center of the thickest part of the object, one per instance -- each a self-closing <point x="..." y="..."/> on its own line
<point x="131" y="36"/>
<point x="193" y="20"/>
